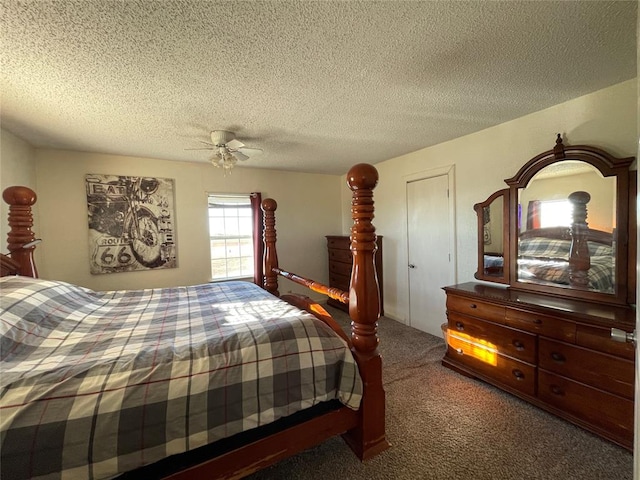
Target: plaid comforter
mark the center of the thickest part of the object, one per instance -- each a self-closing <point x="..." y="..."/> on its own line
<point x="547" y="260"/>
<point x="96" y="384"/>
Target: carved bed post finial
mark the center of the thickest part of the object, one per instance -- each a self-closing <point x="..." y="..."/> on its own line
<point x="362" y="179"/>
<point x="368" y="439"/>
<point x="270" y="282"/>
<point x="20" y="200"/>
<point x="579" y="256"/>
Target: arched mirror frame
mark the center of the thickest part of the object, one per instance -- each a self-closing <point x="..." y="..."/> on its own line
<point x="481" y="273"/>
<point x="609" y="166"/>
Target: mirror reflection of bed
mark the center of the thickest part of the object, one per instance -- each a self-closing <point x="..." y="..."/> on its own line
<point x="566" y="224"/>
<point x="574" y="255"/>
<point x="493" y="263"/>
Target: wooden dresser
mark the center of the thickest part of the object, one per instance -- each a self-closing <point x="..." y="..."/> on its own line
<point x="556" y="353"/>
<point x="340" y="264"/>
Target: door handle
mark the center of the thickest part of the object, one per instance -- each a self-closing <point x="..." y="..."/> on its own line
<point x="411" y="265"/>
<point x="622" y="336"/>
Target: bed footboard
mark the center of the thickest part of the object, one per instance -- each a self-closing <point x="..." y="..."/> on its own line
<point x="369" y="438"/>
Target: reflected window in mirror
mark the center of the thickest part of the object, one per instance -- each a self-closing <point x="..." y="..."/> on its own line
<point x="555" y="213"/>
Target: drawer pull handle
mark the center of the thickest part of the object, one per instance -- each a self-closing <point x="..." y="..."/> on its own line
<point x="460" y="326"/>
<point x="518" y="344"/>
<point x="459" y="351"/>
<point x="556" y="390"/>
<point x="473" y="305"/>
<point x="558" y="357"/>
<point x="518" y="374"/>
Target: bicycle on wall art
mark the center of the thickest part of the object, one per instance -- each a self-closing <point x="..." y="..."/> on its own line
<point x="131" y="223"/>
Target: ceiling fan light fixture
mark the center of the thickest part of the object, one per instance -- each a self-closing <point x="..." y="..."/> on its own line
<point x="224" y="159"/>
<point x="228" y="150"/>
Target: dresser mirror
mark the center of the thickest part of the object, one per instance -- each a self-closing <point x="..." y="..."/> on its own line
<point x="561" y="202"/>
<point x="567" y="228"/>
<point x="493" y="237"/>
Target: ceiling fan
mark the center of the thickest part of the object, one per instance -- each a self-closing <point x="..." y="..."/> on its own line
<point x="228" y="150"/>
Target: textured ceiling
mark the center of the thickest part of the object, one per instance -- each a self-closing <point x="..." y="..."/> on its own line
<point x="318" y="86"/>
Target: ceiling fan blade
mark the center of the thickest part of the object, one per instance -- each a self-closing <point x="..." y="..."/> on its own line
<point x="234" y="144"/>
<point x="240" y="156"/>
<point x="207" y="143"/>
<point x="203" y="148"/>
<point x="251" y="151"/>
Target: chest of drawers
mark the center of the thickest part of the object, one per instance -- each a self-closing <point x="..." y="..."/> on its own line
<point x="562" y="360"/>
<point x="340" y="264"/>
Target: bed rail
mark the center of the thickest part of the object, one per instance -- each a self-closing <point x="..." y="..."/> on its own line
<point x="318" y="287"/>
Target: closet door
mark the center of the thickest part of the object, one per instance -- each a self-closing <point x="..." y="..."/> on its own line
<point x="429" y="246"/>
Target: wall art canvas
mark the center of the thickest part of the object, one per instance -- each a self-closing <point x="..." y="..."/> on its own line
<point x="131" y="223"/>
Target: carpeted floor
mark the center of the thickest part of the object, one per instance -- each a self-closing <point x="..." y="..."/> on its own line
<point x="443" y="425"/>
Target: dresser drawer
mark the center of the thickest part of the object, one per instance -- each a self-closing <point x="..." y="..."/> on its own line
<point x="339" y="281"/>
<point x="486" y="361"/>
<point x="507" y="341"/>
<point x="543" y="324"/>
<point x="609" y="373"/>
<point x="599" y="338"/>
<point x="475" y="308"/>
<point x="342" y="243"/>
<point x="340" y="255"/>
<point x="607" y="411"/>
<point x="340" y="268"/>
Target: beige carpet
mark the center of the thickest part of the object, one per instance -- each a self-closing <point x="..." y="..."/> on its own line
<point x="443" y="425"/>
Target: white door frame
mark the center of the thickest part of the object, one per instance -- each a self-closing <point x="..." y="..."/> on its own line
<point x="449" y="171"/>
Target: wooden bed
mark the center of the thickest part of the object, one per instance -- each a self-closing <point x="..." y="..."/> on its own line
<point x="242" y="454"/>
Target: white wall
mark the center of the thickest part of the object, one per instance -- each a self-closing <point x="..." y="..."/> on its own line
<point x="17" y="167"/>
<point x="606" y="119"/>
<point x="308" y="207"/>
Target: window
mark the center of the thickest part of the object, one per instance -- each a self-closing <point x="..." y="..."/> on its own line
<point x="231" y="236"/>
<point x="556" y="213"/>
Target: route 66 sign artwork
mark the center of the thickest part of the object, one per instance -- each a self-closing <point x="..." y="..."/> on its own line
<point x="131" y="223"/>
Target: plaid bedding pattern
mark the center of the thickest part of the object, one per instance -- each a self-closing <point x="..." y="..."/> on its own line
<point x="547" y="259"/>
<point x="96" y="384"/>
<point x="600" y="273"/>
<point x="541" y="247"/>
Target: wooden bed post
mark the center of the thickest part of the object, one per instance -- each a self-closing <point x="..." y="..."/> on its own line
<point x="368" y="439"/>
<point x="20" y="200"/>
<point x="270" y="281"/>
<point x="579" y="255"/>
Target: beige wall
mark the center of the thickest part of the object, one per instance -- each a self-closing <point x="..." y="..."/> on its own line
<point x="308" y="206"/>
<point x="17" y="167"/>
<point x="482" y="161"/>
